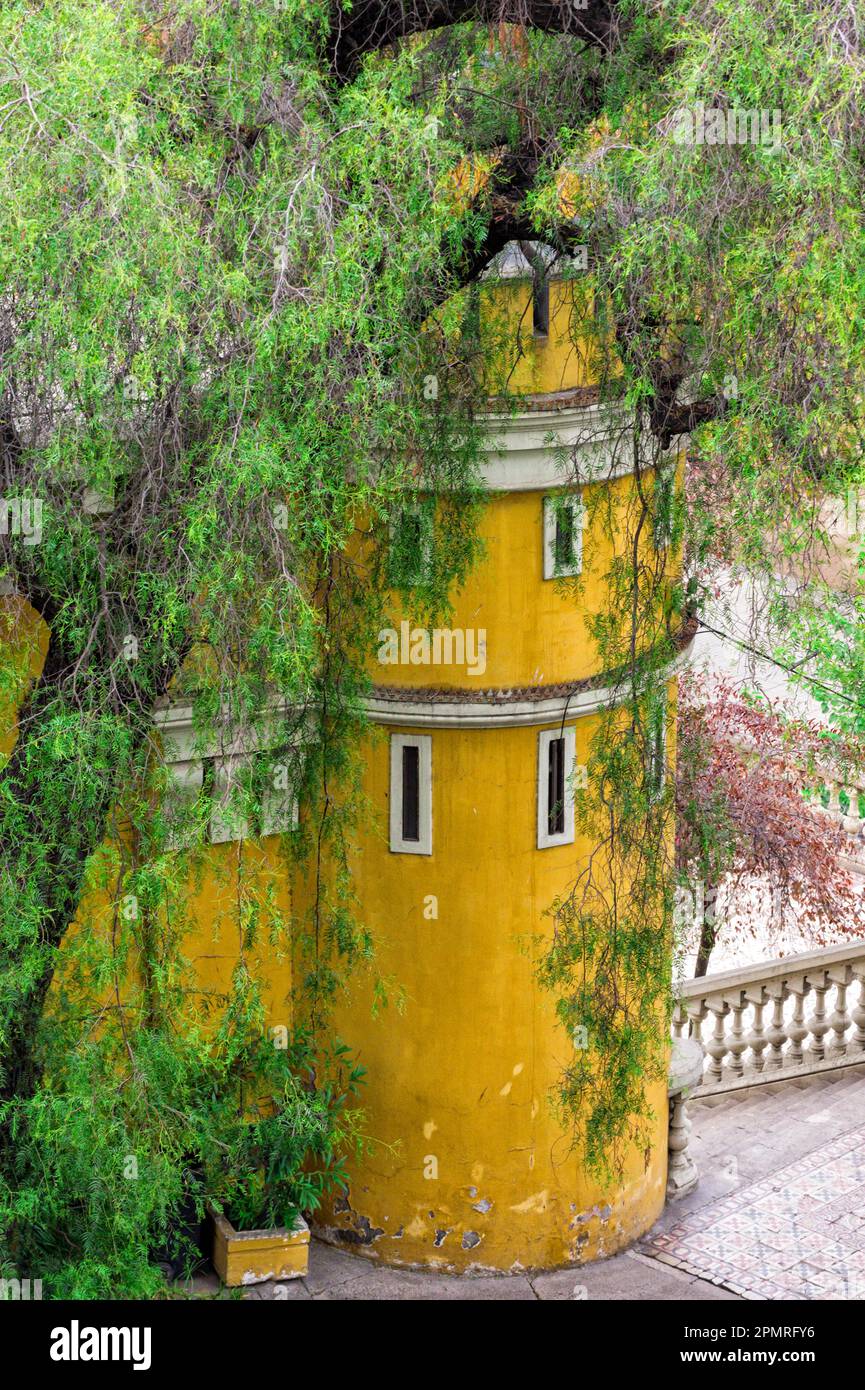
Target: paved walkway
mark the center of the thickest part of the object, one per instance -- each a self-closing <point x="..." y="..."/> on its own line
<point x="334" y="1275"/>
<point x="780" y="1208"/>
<point x="779" y="1213"/>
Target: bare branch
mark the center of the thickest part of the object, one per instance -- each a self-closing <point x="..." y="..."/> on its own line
<point x="368" y="26"/>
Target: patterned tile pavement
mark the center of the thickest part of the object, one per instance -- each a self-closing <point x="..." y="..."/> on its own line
<point x="798" y="1234"/>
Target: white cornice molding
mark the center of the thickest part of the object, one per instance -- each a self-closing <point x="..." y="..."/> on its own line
<point x="181" y="743"/>
<point x="489" y="713"/>
<point x="539" y="449"/>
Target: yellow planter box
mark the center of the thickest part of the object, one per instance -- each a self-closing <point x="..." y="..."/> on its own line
<point x="251" y="1257"/>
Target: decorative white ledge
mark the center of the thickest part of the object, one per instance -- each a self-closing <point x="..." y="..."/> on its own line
<point x="534" y="450"/>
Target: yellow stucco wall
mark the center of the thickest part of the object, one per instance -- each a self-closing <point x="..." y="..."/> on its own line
<point x="24" y="643"/>
<point x="474" y="1170"/>
<point x="529" y="364"/>
<point x="205" y="930"/>
<point x="208" y="927"/>
<point x="536" y="629"/>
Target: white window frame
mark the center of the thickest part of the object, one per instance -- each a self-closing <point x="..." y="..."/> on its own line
<point x="574" y="501"/>
<point x="213" y="770"/>
<point x="186" y="780"/>
<point x="656" y="777"/>
<point x="545" y="738"/>
<point x="225" y="822"/>
<point x="423" y="844"/>
<point x="423" y="509"/>
<point x="665" y="479"/>
<point x="280" y="811"/>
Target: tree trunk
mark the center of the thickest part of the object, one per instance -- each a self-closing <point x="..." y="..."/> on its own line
<point x="708" y="929"/>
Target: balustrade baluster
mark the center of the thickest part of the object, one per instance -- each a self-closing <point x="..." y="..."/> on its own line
<point x="737" y="1044"/>
<point x="776" y="1035"/>
<point x="797" y="1029"/>
<point x="784" y="1030"/>
<point x="852" y="820"/>
<point x="839" y="1020"/>
<point x="757" y="1040"/>
<point x="818" y="1023"/>
<point x="857" y="1041"/>
<point x="716" y="1047"/>
<point x="697" y="1012"/>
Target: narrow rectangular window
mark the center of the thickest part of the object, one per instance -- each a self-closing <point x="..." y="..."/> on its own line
<point x="556" y="786"/>
<point x="564" y="537"/>
<point x="412" y="537"/>
<point x="409" y="557"/>
<point x="224" y="780"/>
<point x="556" y="771"/>
<point x="564" y="516"/>
<point x="540" y="305"/>
<point x="186" y="782"/>
<point x="411" y="792"/>
<point x="656" y="752"/>
<point x="664" y="506"/>
<point x="281" y="777"/>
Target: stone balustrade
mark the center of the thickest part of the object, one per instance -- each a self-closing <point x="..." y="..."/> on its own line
<point x="843" y="802"/>
<point x="779" y="1018"/>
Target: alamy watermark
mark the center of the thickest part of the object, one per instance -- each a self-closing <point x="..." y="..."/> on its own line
<point x="20" y="1290"/>
<point x="713" y="125"/>
<point x="440" y="647"/>
<point x="21" y="516"/>
<point x="77" y="1343"/>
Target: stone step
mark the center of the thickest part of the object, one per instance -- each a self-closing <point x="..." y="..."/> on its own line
<point x="755" y="1115"/>
<point x="841" y="1100"/>
<point x="766" y="1097"/>
<point x="752" y="1114"/>
<point x="845" y="1076"/>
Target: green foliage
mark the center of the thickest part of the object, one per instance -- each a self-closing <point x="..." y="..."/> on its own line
<point x="829" y="626"/>
<point x="282" y="1162"/>
<point x="216" y="261"/>
<point x="733" y="271"/>
<point x="215" y="266"/>
<point x="116" y="1159"/>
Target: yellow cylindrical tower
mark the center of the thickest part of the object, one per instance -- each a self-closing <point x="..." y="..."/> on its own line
<point x="479" y="729"/>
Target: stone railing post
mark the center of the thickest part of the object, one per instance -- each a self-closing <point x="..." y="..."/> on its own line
<point x="777" y="1035"/>
<point x="757" y="1040"/>
<point x="857" y="1041"/>
<point x="717" y="1044"/>
<point x="797" y="1028"/>
<point x="685" y="1072"/>
<point x="818" y="1022"/>
<point x="737" y="1043"/>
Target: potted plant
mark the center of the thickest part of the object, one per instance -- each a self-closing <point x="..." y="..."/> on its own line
<point x="281" y="1152"/>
